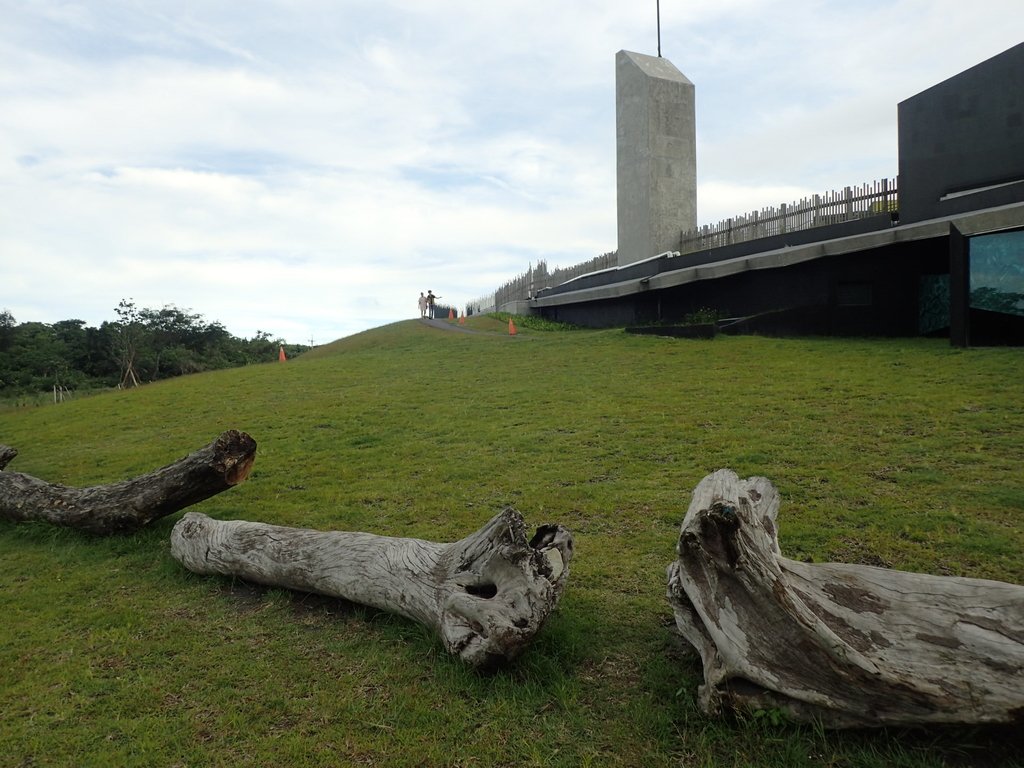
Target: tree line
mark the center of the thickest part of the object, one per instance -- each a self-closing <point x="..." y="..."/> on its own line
<point x="141" y="345"/>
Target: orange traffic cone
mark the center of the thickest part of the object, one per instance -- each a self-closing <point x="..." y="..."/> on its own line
<point x="462" y="319"/>
<point x="511" y="328"/>
<point x="281" y="357"/>
<point x="451" y="313"/>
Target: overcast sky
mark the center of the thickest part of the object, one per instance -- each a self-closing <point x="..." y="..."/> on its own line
<point x="306" y="167"/>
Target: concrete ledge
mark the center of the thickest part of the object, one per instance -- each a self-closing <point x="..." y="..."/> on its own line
<point x="517" y="307"/>
<point x="992" y="219"/>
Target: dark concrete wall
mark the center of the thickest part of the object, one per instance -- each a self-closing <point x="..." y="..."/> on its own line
<point x="965" y="133"/>
<point x="600" y="314"/>
<point x="995" y="329"/>
<point x="870" y="293"/>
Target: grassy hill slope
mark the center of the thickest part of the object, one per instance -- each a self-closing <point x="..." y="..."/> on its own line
<point x="901" y="453"/>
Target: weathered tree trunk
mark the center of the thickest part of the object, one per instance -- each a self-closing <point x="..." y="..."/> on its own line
<point x="486" y="595"/>
<point x="129" y="505"/>
<point x="846" y="645"/>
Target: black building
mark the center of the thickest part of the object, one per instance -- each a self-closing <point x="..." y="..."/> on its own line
<point x="950" y="263"/>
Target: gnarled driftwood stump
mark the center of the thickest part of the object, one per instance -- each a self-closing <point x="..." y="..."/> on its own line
<point x="126" y="506"/>
<point x="486" y="595"/>
<point x="846" y="645"/>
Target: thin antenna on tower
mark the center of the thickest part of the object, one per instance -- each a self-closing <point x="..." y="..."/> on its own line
<point x="657" y="6"/>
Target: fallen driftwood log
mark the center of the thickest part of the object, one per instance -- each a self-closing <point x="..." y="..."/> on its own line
<point x="126" y="506"/>
<point x="844" y="645"/>
<point x="486" y="595"/>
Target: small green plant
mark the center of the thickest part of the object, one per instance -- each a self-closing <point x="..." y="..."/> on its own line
<point x="702" y="316"/>
<point x="533" y="322"/>
<point x="776" y="718"/>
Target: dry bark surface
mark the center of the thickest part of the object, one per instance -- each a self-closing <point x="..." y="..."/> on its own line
<point x="126" y="506"/>
<point x="486" y="595"/>
<point x="843" y="645"/>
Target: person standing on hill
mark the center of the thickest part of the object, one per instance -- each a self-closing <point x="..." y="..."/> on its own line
<point x="430" y="303"/>
<point x="423" y="305"/>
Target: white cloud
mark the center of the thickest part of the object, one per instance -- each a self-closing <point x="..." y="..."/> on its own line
<point x="307" y="168"/>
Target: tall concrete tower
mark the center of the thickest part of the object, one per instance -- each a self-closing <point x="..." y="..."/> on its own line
<point x="656" y="151"/>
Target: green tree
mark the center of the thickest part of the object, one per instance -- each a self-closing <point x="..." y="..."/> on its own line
<point x="7" y="325"/>
<point x="995" y="300"/>
<point x="71" y="333"/>
<point x="7" y="330"/>
<point x="36" y="359"/>
<point x="129" y="337"/>
<point x="261" y="348"/>
<point x="141" y="345"/>
<point x="172" y="336"/>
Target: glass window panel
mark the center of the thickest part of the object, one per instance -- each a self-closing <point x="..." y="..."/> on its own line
<point x="997" y="272"/>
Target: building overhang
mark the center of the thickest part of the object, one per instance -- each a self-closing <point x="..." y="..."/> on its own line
<point x="973" y="223"/>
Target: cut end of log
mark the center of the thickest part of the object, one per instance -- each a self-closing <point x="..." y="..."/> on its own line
<point x="236" y="453"/>
<point x="502" y="588"/>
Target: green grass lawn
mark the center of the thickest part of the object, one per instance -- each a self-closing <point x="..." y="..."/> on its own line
<point x="903" y="453"/>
